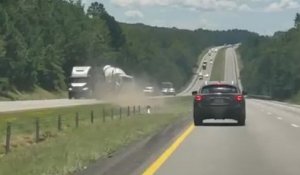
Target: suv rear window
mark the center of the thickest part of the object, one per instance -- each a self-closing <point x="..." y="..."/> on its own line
<point x="219" y="89"/>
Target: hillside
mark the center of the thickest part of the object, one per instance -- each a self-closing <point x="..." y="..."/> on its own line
<point x="272" y="64"/>
<point x="168" y="54"/>
<point x="40" y="41"/>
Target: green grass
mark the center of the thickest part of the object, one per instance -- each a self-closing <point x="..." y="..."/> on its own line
<point x="295" y="99"/>
<point x="219" y="66"/>
<point x="200" y="57"/>
<point x="23" y="123"/>
<point x="74" y="148"/>
<point x="178" y="105"/>
<point x="36" y="94"/>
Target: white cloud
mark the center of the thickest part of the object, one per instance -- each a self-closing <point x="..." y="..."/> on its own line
<point x="190" y="4"/>
<point x="210" y="4"/>
<point x="186" y="24"/>
<point x="245" y="7"/>
<point x="282" y="5"/>
<point x="134" y="14"/>
<point x="126" y="3"/>
<point x="207" y="24"/>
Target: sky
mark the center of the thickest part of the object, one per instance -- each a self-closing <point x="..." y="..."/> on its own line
<point x="262" y="16"/>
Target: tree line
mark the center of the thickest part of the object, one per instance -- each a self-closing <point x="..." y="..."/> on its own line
<point x="272" y="64"/>
<point x="40" y="41"/>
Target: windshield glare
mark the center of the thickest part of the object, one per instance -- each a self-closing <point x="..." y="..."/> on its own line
<point x="218" y="89"/>
<point x="78" y="80"/>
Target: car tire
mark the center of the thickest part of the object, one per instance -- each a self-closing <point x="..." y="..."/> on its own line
<point x="197" y="120"/>
<point x="242" y="120"/>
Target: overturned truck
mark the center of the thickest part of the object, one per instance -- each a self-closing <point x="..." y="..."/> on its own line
<point x="96" y="82"/>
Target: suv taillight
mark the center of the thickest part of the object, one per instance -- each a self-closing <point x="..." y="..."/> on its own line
<point x="239" y="98"/>
<point x="198" y="98"/>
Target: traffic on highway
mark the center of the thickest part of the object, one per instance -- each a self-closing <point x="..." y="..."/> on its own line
<point x="149" y="87"/>
<point x="223" y="139"/>
<point x="265" y="145"/>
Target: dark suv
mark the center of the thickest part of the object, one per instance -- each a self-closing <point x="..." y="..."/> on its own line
<point x="219" y="101"/>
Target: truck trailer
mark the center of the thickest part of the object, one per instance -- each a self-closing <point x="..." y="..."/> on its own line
<point x="88" y="81"/>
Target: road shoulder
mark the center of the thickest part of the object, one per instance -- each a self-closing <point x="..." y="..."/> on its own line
<point x="136" y="157"/>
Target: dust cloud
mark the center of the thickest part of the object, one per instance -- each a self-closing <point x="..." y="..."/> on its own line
<point x="132" y="94"/>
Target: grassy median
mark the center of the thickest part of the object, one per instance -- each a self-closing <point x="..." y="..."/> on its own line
<point x="218" y="69"/>
<point x="74" y="148"/>
<point x="295" y="99"/>
<point x="200" y="57"/>
<point x="37" y="93"/>
<point x="23" y="124"/>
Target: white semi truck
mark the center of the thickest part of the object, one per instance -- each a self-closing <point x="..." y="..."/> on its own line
<point x="88" y="81"/>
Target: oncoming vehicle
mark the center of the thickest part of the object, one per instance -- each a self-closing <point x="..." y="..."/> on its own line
<point x="200" y="76"/>
<point x="95" y="82"/>
<point x="82" y="82"/>
<point x="204" y="65"/>
<point x="167" y="88"/>
<point x="149" y="90"/>
<point x="219" y="101"/>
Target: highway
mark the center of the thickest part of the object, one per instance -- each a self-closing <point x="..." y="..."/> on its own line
<point x="269" y="144"/>
<point x="9" y="106"/>
<point x="195" y="82"/>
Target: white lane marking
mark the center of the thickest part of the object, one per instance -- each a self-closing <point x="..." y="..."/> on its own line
<point x="279" y="118"/>
<point x="269" y="113"/>
<point x="295" y="126"/>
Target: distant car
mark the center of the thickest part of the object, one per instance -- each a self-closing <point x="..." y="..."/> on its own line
<point x="215" y="50"/>
<point x="219" y="101"/>
<point x="167" y="88"/>
<point x="200" y="76"/>
<point x="206" y="75"/>
<point x="204" y="65"/>
<point x="149" y="90"/>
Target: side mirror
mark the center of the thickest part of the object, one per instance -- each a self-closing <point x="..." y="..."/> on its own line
<point x="194" y="93"/>
<point x="244" y="93"/>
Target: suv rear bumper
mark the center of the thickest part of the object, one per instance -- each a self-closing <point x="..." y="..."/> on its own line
<point x="219" y="112"/>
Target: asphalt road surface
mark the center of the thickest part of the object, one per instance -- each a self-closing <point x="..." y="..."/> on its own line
<point x="269" y="144"/>
<point x="196" y="82"/>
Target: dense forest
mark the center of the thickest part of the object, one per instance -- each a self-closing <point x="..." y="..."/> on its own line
<point x="41" y="40"/>
<point x="272" y="64"/>
<point x="169" y="53"/>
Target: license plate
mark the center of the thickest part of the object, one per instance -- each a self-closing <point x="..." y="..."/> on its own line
<point x="218" y="101"/>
